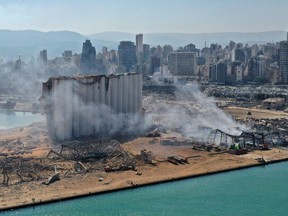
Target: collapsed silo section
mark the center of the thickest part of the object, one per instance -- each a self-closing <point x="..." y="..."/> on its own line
<point x="91" y="105"/>
<point x="56" y="95"/>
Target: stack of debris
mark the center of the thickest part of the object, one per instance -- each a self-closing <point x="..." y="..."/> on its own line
<point x="88" y="150"/>
<point x="176" y="160"/>
<point x="153" y="133"/>
<point x="147" y="156"/>
<point x="18" y="169"/>
<point x="109" y="153"/>
<point x="237" y="149"/>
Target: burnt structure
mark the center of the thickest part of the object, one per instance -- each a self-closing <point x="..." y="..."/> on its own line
<point x="89" y="105"/>
<point x="262" y="135"/>
<point x="244" y="138"/>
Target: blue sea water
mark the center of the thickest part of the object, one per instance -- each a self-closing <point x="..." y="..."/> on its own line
<point x="254" y="191"/>
<point x="11" y="119"/>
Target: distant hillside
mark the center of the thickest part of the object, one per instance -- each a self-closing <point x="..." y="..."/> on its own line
<point x="180" y="39"/>
<point x="29" y="42"/>
<point x="113" y="36"/>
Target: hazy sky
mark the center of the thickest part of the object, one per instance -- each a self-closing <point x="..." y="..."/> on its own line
<point x="146" y="16"/>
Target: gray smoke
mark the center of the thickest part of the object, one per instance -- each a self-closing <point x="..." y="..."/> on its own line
<point x="20" y="78"/>
<point x="106" y="122"/>
<point x="192" y="114"/>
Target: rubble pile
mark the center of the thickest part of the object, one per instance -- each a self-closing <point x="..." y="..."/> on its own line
<point x="147" y="156"/>
<point x="18" y="169"/>
<point x="108" y="153"/>
<point x="24" y="140"/>
<point x="69" y="159"/>
<point x="248" y="95"/>
<point x="176" y="160"/>
<point x="87" y="150"/>
<point x="275" y="130"/>
<point x="244" y="96"/>
<point x="210" y="147"/>
<point x="247" y="92"/>
<point x="263" y="132"/>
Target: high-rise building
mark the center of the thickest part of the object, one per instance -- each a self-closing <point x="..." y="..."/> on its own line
<point x="139" y="43"/>
<point x="155" y="64"/>
<point x="167" y="49"/>
<point x="270" y="51"/>
<point x="42" y="59"/>
<point x="239" y="73"/>
<point x="127" y="55"/>
<point x="104" y="50"/>
<point x="283" y="62"/>
<point x="238" y="55"/>
<point x="182" y="63"/>
<point x="112" y="56"/>
<point x="261" y="68"/>
<point x="139" y="50"/>
<point x="252" y="69"/>
<point x="234" y="64"/>
<point x="218" y="73"/>
<point x="67" y="54"/>
<point x="191" y="48"/>
<point x="146" y="53"/>
<point x="254" y="50"/>
<point x="88" y="58"/>
<point x="200" y="60"/>
<point x="212" y="73"/>
<point x="221" y="73"/>
<point x="231" y="45"/>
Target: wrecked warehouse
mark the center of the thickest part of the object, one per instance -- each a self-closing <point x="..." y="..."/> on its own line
<point x="89" y="105"/>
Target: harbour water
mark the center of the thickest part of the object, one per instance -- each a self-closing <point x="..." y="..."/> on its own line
<point x="11" y="119"/>
<point x="254" y="191"/>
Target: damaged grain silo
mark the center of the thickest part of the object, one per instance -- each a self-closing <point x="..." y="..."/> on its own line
<point x="91" y="105"/>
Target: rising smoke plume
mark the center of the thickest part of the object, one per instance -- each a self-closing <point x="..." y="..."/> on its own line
<point x="191" y="113"/>
<point x="20" y="78"/>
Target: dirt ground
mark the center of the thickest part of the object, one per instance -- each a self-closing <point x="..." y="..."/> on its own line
<point x="34" y="144"/>
<point x="241" y="113"/>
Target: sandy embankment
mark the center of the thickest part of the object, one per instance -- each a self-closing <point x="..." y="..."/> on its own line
<point x="200" y="163"/>
<point x="241" y="113"/>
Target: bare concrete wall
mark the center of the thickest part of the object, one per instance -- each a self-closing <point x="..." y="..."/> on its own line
<point x="76" y="106"/>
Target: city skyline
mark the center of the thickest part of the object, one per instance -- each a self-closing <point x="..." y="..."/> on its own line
<point x="185" y="16"/>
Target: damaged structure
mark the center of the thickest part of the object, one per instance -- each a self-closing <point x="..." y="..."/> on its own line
<point x="89" y="105"/>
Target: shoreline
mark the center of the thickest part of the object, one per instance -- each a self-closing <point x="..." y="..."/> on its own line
<point x="128" y="187"/>
<point x="74" y="184"/>
<point x="21" y="110"/>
